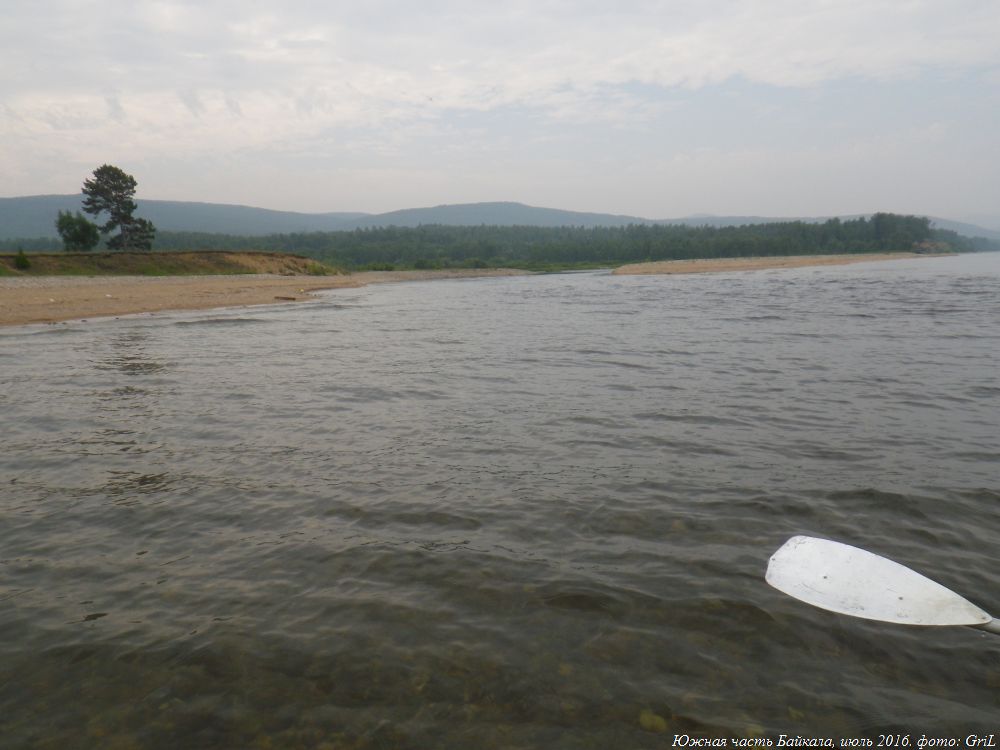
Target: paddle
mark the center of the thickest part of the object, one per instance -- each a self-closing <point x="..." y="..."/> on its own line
<point x="851" y="581"/>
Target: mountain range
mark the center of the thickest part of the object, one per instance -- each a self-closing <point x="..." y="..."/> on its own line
<point x="31" y="217"/>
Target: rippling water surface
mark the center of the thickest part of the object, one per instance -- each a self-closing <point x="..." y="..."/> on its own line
<point x="499" y="513"/>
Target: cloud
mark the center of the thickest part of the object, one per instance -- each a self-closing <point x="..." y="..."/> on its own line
<point x="478" y="55"/>
<point x="196" y="78"/>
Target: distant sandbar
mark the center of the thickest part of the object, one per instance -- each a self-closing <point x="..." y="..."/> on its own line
<point x="718" y="265"/>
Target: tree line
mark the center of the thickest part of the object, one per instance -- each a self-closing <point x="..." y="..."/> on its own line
<point x="439" y="246"/>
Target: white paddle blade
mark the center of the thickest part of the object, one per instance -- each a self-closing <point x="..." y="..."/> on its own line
<point x="851" y="581"/>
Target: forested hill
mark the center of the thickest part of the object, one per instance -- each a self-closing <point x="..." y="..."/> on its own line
<point x="535" y="247"/>
<point x="33" y="217"/>
<point x="29" y="219"/>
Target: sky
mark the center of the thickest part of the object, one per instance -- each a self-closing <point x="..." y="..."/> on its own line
<point x="653" y="108"/>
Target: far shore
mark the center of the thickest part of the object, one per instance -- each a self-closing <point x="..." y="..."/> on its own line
<point x="719" y="265"/>
<point x="56" y="299"/>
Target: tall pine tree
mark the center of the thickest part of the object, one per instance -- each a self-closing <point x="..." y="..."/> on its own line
<point x="110" y="191"/>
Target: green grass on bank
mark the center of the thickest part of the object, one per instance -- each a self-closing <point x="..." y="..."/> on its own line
<point x="161" y="264"/>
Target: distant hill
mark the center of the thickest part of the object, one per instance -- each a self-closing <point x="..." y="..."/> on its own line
<point x="969" y="230"/>
<point x="226" y="219"/>
<point x="493" y="214"/>
<point x="34" y="216"/>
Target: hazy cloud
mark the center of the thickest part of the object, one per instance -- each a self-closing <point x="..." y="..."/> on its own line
<point x="244" y="82"/>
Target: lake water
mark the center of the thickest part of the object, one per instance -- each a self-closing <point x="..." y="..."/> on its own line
<point x="499" y="513"/>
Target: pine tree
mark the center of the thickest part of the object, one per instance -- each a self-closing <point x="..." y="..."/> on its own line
<point x="111" y="190"/>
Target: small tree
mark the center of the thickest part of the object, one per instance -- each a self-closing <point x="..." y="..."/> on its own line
<point x="78" y="234"/>
<point x="110" y="190"/>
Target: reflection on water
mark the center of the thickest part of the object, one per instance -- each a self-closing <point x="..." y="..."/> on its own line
<point x="498" y="513"/>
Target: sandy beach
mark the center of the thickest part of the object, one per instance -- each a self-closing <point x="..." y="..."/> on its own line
<point x="718" y="265"/>
<point x="53" y="299"/>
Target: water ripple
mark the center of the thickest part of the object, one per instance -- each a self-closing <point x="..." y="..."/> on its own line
<point x="523" y="512"/>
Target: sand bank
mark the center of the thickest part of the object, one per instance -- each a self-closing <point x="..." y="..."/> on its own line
<point x="716" y="265"/>
<point x="51" y="299"/>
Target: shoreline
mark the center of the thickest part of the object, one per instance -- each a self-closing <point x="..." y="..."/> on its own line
<point x="755" y="263"/>
<point x="59" y="299"/>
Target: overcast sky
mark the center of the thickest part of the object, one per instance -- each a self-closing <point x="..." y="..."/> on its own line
<point x="653" y="108"/>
